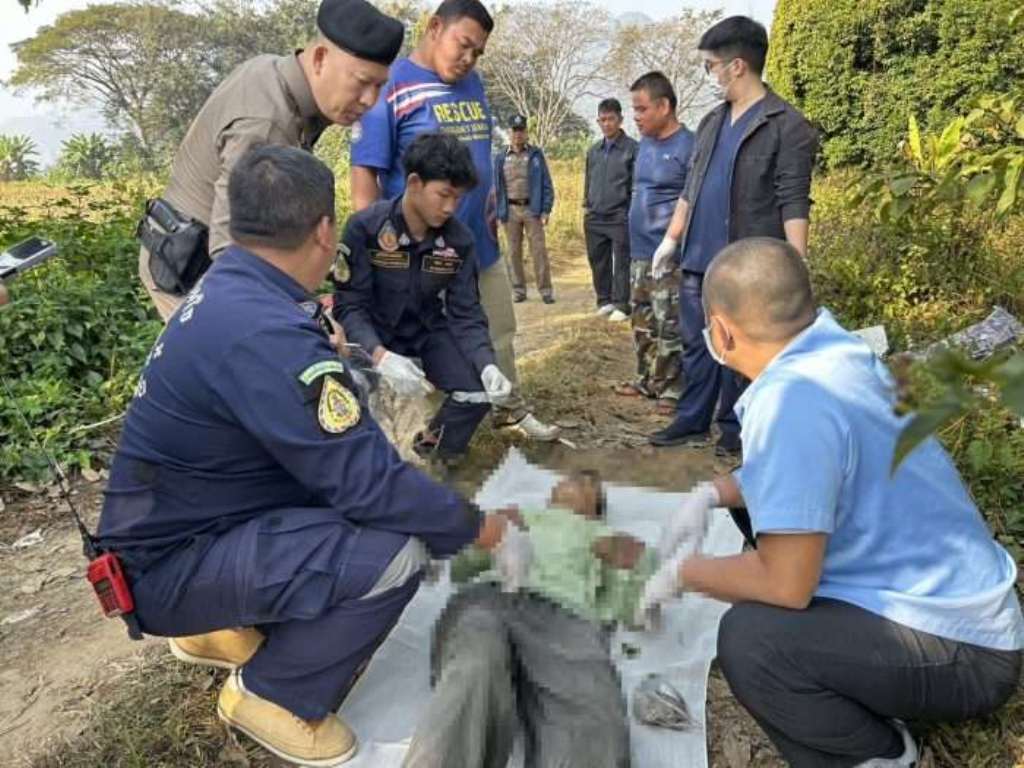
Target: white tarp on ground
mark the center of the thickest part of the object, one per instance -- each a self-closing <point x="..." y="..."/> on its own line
<point x="386" y="702"/>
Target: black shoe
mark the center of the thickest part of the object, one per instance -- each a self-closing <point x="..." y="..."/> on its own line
<point x="728" y="446"/>
<point x="519" y="298"/>
<point x="549" y="299"/>
<point x="675" y="435"/>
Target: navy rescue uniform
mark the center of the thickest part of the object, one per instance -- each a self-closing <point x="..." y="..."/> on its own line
<point x="251" y="487"/>
<point x="420" y="300"/>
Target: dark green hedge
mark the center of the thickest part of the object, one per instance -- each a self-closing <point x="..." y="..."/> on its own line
<point x="859" y="68"/>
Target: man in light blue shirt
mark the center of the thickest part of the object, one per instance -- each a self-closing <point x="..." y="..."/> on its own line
<point x="871" y="595"/>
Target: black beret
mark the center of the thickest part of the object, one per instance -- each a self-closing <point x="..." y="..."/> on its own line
<point x="517" y="123"/>
<point x="359" y="28"/>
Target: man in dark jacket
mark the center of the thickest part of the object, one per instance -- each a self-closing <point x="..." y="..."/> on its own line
<point x="252" y="488"/>
<point x="607" y="189"/>
<point x="750" y="177"/>
<point x="525" y="199"/>
<point x="408" y="289"/>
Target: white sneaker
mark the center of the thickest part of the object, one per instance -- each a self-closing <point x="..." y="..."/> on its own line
<point x="618" y="316"/>
<point x="907" y="760"/>
<point x="605" y="309"/>
<point x="534" y="429"/>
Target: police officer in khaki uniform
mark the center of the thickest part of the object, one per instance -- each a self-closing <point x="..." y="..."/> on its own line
<point x="525" y="197"/>
<point x="284" y="100"/>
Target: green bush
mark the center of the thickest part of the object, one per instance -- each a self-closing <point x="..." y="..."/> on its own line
<point x="920" y="286"/>
<point x="86" y="156"/>
<point x="861" y="68"/>
<point x="74" y="338"/>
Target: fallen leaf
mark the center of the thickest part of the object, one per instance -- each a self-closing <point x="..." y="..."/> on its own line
<point x="90" y="475"/>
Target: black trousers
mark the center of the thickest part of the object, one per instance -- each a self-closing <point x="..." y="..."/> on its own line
<point x="608" y="253"/>
<point x="823" y="682"/>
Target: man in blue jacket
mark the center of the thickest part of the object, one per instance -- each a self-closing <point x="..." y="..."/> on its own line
<point x="407" y="288"/>
<point x="252" y="488"/>
<point x="525" y="199"/>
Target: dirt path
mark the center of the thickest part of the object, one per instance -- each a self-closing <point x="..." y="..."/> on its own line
<point x="55" y="646"/>
<point x="58" y="655"/>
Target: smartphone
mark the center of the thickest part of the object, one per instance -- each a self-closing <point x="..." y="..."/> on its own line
<point x="25" y="255"/>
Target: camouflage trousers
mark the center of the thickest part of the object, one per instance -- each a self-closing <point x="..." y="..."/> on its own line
<point x="656" y="337"/>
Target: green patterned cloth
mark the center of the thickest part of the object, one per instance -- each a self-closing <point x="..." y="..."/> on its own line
<point x="564" y="568"/>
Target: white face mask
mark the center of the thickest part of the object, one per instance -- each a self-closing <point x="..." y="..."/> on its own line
<point x="721" y="90"/>
<point x="711" y="347"/>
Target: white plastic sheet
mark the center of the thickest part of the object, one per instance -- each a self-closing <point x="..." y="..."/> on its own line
<point x="385" y="705"/>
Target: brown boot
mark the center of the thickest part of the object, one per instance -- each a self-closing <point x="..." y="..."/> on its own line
<point x="224" y="649"/>
<point x="328" y="742"/>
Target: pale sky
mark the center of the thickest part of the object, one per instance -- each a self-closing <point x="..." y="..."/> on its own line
<point x="18" y="25"/>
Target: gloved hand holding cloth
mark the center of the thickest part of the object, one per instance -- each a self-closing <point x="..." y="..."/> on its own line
<point x="404" y="376"/>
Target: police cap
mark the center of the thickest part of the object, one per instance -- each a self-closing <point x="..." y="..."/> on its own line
<point x="517" y="123"/>
<point x="359" y="28"/>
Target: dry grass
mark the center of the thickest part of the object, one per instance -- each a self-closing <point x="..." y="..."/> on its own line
<point x="159" y="713"/>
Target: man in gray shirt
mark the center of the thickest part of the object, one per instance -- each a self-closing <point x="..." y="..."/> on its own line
<point x="608" y="187"/>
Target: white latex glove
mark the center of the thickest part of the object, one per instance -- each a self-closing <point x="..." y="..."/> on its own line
<point x="405" y="377"/>
<point x="663" y="586"/>
<point x="513" y="557"/>
<point x="690" y="523"/>
<point x="664" y="255"/>
<point x="497" y="387"/>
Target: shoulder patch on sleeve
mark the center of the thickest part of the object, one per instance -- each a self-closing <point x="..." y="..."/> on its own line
<point x="339" y="409"/>
<point x="316" y="370"/>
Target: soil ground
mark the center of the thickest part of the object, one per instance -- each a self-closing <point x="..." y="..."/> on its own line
<point x="78" y="693"/>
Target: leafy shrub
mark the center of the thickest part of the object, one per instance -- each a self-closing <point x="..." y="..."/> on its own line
<point x="16" y="158"/>
<point x="73" y="341"/>
<point x="86" y="156"/>
<point x="861" y="68"/>
<point x="930" y="243"/>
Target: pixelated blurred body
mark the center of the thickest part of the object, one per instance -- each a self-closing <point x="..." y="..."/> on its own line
<point x="536" y="658"/>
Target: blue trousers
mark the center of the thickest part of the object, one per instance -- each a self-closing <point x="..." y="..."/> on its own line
<point x="707" y="382"/>
<point x="298" y="576"/>
<point x="449" y="371"/>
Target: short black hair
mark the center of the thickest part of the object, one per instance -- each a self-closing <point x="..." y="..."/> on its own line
<point x="610" y="105"/>
<point x="453" y="10"/>
<point x="657" y="86"/>
<point x="737" y="37"/>
<point x="277" y="196"/>
<point x="763" y="284"/>
<point x="440" y="157"/>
